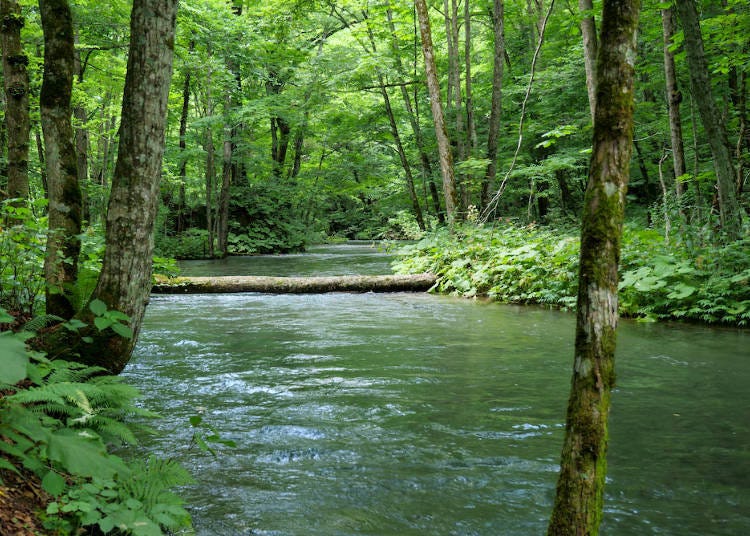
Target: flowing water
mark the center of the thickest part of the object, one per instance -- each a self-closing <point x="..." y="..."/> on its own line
<point x="409" y="414"/>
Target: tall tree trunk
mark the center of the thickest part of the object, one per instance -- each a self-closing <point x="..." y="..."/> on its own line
<point x="457" y="105"/>
<point x="402" y="156"/>
<point x="414" y="122"/>
<point x="16" y="85"/>
<point x="63" y="243"/>
<point x="588" y="31"/>
<point x="185" y="110"/>
<point x="674" y="98"/>
<point x="81" y="132"/>
<point x="222" y="224"/>
<point x="125" y="280"/>
<point x="42" y="163"/>
<point x="493" y="128"/>
<point x="730" y="212"/>
<point x="433" y="87"/>
<point x="471" y="129"/>
<point x="580" y="488"/>
<point x="210" y="176"/>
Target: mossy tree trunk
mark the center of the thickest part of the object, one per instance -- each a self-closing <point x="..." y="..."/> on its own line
<point x="65" y="203"/>
<point x="125" y="280"/>
<point x="580" y="488"/>
<point x="16" y="81"/>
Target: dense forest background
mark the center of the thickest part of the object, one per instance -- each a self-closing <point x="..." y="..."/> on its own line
<point x="294" y="121"/>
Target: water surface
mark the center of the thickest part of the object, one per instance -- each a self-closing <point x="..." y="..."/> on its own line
<point x="407" y="414"/>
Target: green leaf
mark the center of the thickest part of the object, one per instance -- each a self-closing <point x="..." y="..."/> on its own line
<point x="195" y="420"/>
<point x="53" y="483"/>
<point x="98" y="307"/>
<point x="122" y="330"/>
<point x="5" y="317"/>
<point x="13" y="357"/>
<point x="102" y="323"/>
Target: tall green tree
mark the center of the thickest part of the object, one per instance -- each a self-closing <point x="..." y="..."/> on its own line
<point x="730" y="212"/>
<point x="16" y="85"/>
<point x="65" y="203"/>
<point x="125" y="280"/>
<point x="583" y="467"/>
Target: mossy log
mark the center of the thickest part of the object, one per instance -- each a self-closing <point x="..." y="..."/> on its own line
<point x="296" y="285"/>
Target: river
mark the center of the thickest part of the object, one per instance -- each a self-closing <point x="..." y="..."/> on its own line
<point x="410" y="414"/>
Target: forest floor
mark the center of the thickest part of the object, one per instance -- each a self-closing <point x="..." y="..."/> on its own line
<point x="21" y="498"/>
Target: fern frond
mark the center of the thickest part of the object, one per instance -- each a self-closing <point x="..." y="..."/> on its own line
<point x="42" y="321"/>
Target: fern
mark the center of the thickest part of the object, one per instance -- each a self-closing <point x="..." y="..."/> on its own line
<point x="42" y="321"/>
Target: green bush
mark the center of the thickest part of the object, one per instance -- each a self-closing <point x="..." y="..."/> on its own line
<point x="540" y="265"/>
<point x="57" y="419"/>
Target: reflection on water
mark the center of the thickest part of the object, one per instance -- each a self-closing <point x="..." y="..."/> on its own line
<point x="408" y="414"/>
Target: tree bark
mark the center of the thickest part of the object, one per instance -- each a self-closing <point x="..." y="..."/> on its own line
<point x="16" y="85"/>
<point x="63" y="243"/>
<point x="580" y="488"/>
<point x="493" y="128"/>
<point x="181" y="203"/>
<point x="297" y="285"/>
<point x="674" y="98"/>
<point x="471" y="129"/>
<point x="433" y="86"/>
<point x="588" y="31"/>
<point x="730" y="212"/>
<point x="125" y="280"/>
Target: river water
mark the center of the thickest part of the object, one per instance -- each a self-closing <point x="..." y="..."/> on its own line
<point x="409" y="414"/>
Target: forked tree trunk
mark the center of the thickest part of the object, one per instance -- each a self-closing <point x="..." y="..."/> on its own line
<point x="125" y="280"/>
<point x="730" y="212"/>
<point x="580" y="488"/>
<point x="16" y="82"/>
<point x="63" y="242"/>
<point x="433" y="87"/>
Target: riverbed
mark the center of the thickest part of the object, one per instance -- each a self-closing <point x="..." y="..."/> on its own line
<point x="414" y="414"/>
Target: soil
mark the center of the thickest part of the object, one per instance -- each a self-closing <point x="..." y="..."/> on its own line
<point x="21" y="497"/>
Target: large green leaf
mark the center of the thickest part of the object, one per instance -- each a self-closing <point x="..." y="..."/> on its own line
<point x="13" y="358"/>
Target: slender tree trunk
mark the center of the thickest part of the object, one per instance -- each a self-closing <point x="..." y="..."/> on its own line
<point x="63" y="243"/>
<point x="42" y="163"/>
<point x="414" y="121"/>
<point x="210" y="175"/>
<point x="457" y="105"/>
<point x="222" y="234"/>
<point x="16" y="85"/>
<point x="433" y="86"/>
<point x="730" y="212"/>
<point x="588" y="30"/>
<point x="580" y="488"/>
<point x="493" y="128"/>
<point x="674" y="98"/>
<point x="185" y="110"/>
<point x="471" y="129"/>
<point x="125" y="280"/>
<point x="402" y="156"/>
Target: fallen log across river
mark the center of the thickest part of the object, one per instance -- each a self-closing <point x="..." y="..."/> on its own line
<point x="296" y="285"/>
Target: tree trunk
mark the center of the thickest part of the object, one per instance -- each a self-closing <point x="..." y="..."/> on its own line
<point x="588" y="31"/>
<point x="222" y="234"/>
<point x="580" y="488"/>
<point x="457" y="105"/>
<point x="730" y="212"/>
<point x="493" y="128"/>
<point x="433" y="87"/>
<point x="471" y="129"/>
<point x="402" y="156"/>
<point x="297" y="285"/>
<point x="63" y="243"/>
<point x="181" y="203"/>
<point x="413" y="120"/>
<point x="210" y="176"/>
<point x="81" y="131"/>
<point x="16" y="82"/>
<point x="674" y="97"/>
<point x="125" y="280"/>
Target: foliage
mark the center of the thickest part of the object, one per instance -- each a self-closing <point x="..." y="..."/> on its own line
<point x="22" y="247"/>
<point x="56" y="420"/>
<point x="531" y="264"/>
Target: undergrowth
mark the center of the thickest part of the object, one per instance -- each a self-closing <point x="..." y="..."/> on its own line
<point x="539" y="265"/>
<point x="59" y="420"/>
